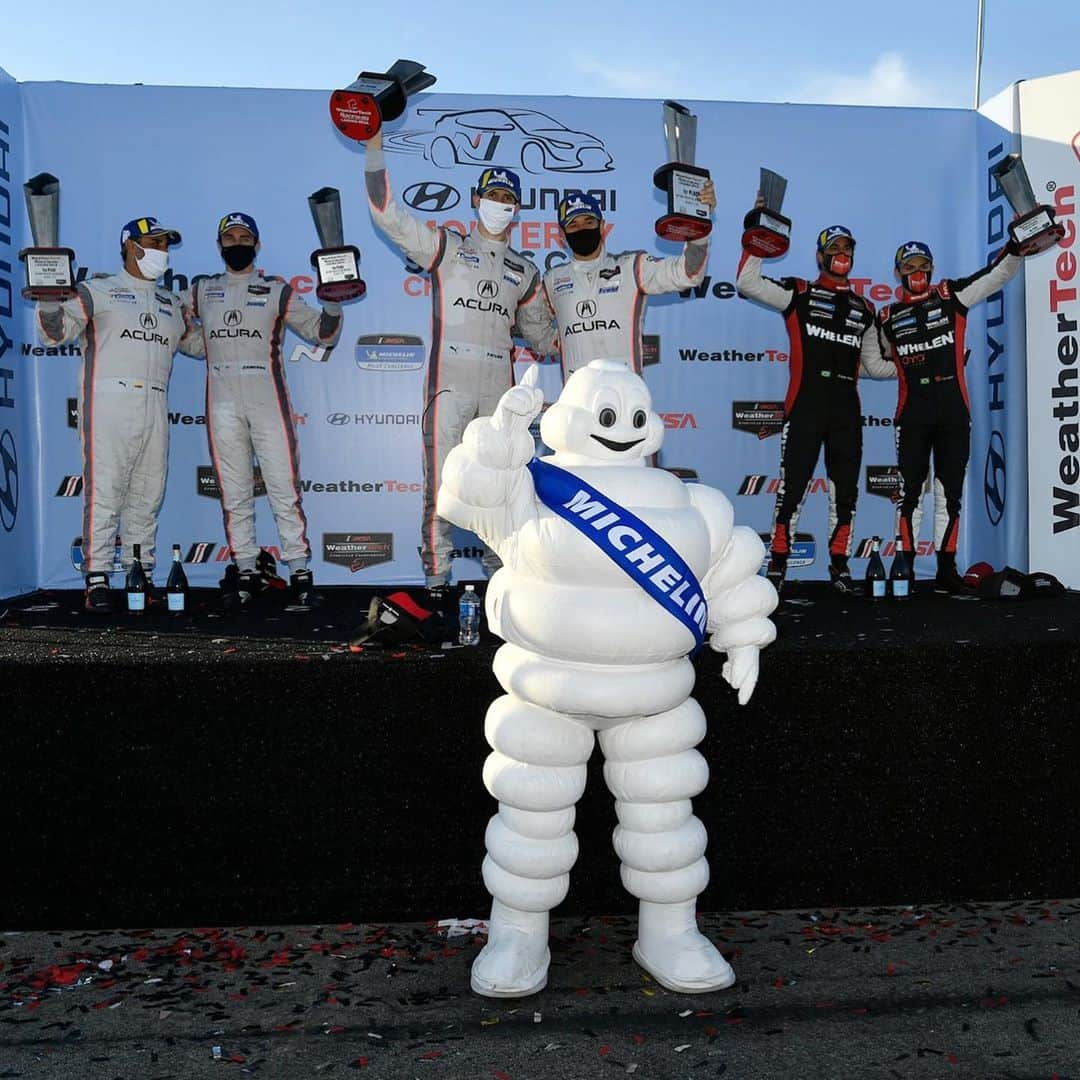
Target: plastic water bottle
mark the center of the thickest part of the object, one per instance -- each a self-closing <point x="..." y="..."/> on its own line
<point x="118" y="557"/>
<point x="900" y="574"/>
<point x="875" y="573"/>
<point x="469" y="617"/>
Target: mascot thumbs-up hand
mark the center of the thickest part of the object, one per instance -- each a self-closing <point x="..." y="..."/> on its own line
<point x="486" y="487"/>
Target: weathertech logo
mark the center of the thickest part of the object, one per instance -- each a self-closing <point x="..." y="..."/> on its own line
<point x="200" y="552"/>
<point x="206" y="482"/>
<point x="69" y="487"/>
<point x="358" y="551"/>
<point x="770" y="485"/>
<point x="760" y="418"/>
<point x="884" y="480"/>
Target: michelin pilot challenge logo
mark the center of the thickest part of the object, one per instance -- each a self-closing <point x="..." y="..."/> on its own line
<point x="390" y="352"/>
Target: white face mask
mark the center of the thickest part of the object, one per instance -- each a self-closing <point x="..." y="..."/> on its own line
<point x="496" y="216"/>
<point x="152" y="263"/>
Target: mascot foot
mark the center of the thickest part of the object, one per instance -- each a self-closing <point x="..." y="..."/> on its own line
<point x="514" y="962"/>
<point x="675" y="953"/>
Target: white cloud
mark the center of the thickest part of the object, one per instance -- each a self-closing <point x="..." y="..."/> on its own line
<point x="625" y="80"/>
<point x="888" y="82"/>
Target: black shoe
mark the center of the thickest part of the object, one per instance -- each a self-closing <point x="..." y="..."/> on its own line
<point x="840" y="577"/>
<point x="97" y="600"/>
<point x="949" y="583"/>
<point x="249" y="585"/>
<point x="304" y="597"/>
<point x="775" y="572"/>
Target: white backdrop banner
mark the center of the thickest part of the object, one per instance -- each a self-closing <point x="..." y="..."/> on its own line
<point x="718" y="363"/>
<point x="1050" y="126"/>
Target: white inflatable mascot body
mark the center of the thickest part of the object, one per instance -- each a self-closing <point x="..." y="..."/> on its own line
<point x="587" y="651"/>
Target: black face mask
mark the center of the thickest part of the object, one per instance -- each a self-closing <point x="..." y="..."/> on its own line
<point x="238" y="256"/>
<point x="584" y="241"/>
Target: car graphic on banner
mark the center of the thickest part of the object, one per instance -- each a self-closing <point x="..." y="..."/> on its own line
<point x="513" y="138"/>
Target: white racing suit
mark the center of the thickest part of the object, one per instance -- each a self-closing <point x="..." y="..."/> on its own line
<point x="128" y="329"/>
<point x="481" y="292"/>
<point x="599" y="304"/>
<point x="244" y="318"/>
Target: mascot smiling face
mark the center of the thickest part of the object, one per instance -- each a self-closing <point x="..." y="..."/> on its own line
<point x="604" y="416"/>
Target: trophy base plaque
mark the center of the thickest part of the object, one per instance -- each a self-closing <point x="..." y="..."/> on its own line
<point x="338" y="270"/>
<point x="766" y="233"/>
<point x="1035" y="231"/>
<point x="50" y="275"/>
<point x="687" y="217"/>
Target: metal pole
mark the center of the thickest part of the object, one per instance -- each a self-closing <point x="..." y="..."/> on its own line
<point x="979" y="53"/>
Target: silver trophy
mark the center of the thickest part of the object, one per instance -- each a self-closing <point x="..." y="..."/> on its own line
<point x="687" y="217"/>
<point x="336" y="263"/>
<point x="49" y="271"/>
<point x="1034" y="229"/>
<point x="766" y="232"/>
<point x="360" y="109"/>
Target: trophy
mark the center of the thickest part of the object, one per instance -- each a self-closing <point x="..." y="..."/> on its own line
<point x="49" y="273"/>
<point x="1035" y="229"/>
<point x="767" y="233"/>
<point x="336" y="263"/>
<point x="687" y="217"/>
<point x="359" y="110"/>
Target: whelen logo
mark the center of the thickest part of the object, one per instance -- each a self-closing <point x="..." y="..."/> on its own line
<point x="390" y="352"/>
<point x="759" y="484"/>
<point x="431" y="196"/>
<point x="358" y="550"/>
<point x="69" y="487"/>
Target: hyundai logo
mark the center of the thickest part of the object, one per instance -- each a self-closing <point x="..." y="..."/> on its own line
<point x="487" y="288"/>
<point x="586" y="309"/>
<point x="430" y="195"/>
<point x="338" y="419"/>
<point x="148" y="320"/>
<point x="233" y="317"/>
<point x="9" y="482"/>
<point x="994" y="478"/>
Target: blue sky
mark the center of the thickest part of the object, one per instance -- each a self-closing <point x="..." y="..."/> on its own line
<point x="918" y="52"/>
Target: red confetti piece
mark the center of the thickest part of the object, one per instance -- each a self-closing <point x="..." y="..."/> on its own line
<point x="952" y="1059"/>
<point x="361" y="1062"/>
<point x="639" y="1039"/>
<point x="431" y="1055"/>
<point x="500" y="1075"/>
<point x="605" y="1050"/>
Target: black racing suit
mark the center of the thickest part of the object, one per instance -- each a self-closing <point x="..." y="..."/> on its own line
<point x="924" y="337"/>
<point x="831" y="334"/>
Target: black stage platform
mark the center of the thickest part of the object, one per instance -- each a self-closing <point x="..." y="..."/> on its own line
<point x="207" y="771"/>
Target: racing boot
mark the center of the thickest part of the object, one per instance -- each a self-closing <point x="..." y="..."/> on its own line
<point x="304" y="597"/>
<point x="97" y="600"/>
<point x="948" y="581"/>
<point x="840" y="576"/>
<point x="776" y="571"/>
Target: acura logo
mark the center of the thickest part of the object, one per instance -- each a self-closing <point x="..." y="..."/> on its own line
<point x="586" y="309"/>
<point x="338" y="419"/>
<point x="994" y="478"/>
<point x="9" y="482"/>
<point x="233" y="317"/>
<point x="148" y="320"/>
<point x="432" y="195"/>
<point x="487" y="288"/>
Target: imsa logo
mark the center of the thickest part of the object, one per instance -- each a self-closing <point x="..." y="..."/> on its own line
<point x="200" y="552"/>
<point x="69" y="487"/>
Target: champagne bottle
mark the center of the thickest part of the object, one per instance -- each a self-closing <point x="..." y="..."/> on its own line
<point x="176" y="589"/>
<point x="136" y="585"/>
<point x="900" y="573"/>
<point x="875" y="573"/>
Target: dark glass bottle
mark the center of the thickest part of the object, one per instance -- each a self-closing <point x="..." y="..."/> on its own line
<point x="875" y="573"/>
<point x="176" y="588"/>
<point x="900" y="573"/>
<point x="136" y="587"/>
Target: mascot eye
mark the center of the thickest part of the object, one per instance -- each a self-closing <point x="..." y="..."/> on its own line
<point x="640" y="418"/>
<point x="607" y="418"/>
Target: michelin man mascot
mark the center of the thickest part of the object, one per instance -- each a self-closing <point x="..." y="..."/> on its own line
<point x="613" y="572"/>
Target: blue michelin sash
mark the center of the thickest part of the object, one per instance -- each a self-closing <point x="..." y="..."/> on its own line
<point x="640" y="552"/>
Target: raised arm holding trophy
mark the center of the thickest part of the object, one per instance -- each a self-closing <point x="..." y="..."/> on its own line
<point x="49" y="271"/>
